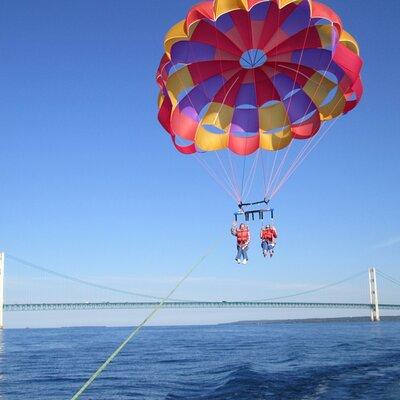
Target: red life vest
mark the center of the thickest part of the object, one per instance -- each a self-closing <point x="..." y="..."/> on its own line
<point x="242" y="236"/>
<point x="268" y="234"/>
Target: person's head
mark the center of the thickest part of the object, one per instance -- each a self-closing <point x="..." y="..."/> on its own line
<point x="267" y="226"/>
<point x="242" y="226"/>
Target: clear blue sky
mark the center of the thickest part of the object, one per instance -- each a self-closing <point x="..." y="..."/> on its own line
<point x="91" y="186"/>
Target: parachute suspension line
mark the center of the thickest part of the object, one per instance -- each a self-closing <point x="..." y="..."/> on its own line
<point x="280" y="166"/>
<point x="244" y="167"/>
<point x="223" y="101"/>
<point x="258" y="105"/>
<point x="78" y="394"/>
<point x="283" y="159"/>
<point x="248" y="176"/>
<point x="308" y="107"/>
<point x="273" y="83"/>
<point x="271" y="187"/>
<point x="293" y="168"/>
<point x="247" y="120"/>
<point x="243" y="170"/>
<point x="263" y="170"/>
<point x="223" y="86"/>
<point x="229" y="178"/>
<point x="230" y="187"/>
<point x="270" y="175"/>
<point x="301" y="157"/>
<point x="250" y="179"/>
<point x="213" y="175"/>
<point x="234" y="174"/>
<point x="258" y="59"/>
<point x="308" y="148"/>
<point x="250" y="33"/>
<point x="232" y="191"/>
<point x="233" y="179"/>
<point x="219" y="59"/>
<point x="244" y="161"/>
<point x="283" y="180"/>
<point x="235" y="190"/>
<point x="245" y="145"/>
<point x="247" y="185"/>
<point x="280" y="182"/>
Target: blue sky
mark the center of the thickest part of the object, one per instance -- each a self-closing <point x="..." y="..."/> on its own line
<point x="91" y="186"/>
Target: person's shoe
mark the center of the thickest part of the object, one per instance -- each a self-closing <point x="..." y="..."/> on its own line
<point x="244" y="261"/>
<point x="237" y="260"/>
<point x="271" y="254"/>
<point x="265" y="253"/>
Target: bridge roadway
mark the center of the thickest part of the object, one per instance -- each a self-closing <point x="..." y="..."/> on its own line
<point x="189" y="304"/>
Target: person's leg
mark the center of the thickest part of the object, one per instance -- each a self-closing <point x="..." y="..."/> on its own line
<point x="264" y="246"/>
<point x="271" y="249"/>
<point x="244" y="253"/>
<point x="239" y="253"/>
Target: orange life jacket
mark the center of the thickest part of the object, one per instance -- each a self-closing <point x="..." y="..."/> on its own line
<point x="268" y="234"/>
<point x="242" y="236"/>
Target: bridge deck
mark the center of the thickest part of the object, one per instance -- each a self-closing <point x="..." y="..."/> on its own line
<point x="189" y="304"/>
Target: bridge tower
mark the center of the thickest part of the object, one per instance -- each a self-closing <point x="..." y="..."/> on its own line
<point x="1" y="288"/>
<point x="373" y="295"/>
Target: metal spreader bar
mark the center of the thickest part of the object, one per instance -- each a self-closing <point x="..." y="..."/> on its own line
<point x="252" y="213"/>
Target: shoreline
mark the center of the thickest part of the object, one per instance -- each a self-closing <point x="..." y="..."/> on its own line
<point x="393" y="318"/>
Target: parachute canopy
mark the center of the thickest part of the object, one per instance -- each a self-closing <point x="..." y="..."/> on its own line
<point x="245" y="75"/>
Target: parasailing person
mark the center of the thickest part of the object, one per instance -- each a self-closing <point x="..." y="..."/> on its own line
<point x="242" y="234"/>
<point x="268" y="236"/>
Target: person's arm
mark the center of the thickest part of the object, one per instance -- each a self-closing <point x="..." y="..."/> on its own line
<point x="261" y="234"/>
<point x="248" y="240"/>
<point x="233" y="229"/>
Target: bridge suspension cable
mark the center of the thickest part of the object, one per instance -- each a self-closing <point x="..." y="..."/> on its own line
<point x="314" y="290"/>
<point x="388" y="277"/>
<point x="84" y="282"/>
<point x="147" y="296"/>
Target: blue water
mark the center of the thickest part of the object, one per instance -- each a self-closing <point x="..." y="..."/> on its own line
<point x="276" y="361"/>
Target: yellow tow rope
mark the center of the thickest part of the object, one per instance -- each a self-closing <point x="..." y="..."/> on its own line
<point x="138" y="328"/>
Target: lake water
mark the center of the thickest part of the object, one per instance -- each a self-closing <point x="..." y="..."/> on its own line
<point x="273" y="361"/>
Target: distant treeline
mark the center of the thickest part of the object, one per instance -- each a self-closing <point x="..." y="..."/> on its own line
<point x="312" y="320"/>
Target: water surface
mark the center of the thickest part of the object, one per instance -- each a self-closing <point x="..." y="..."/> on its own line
<point x="275" y="361"/>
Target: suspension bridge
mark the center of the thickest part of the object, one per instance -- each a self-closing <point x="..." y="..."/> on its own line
<point x="373" y="306"/>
